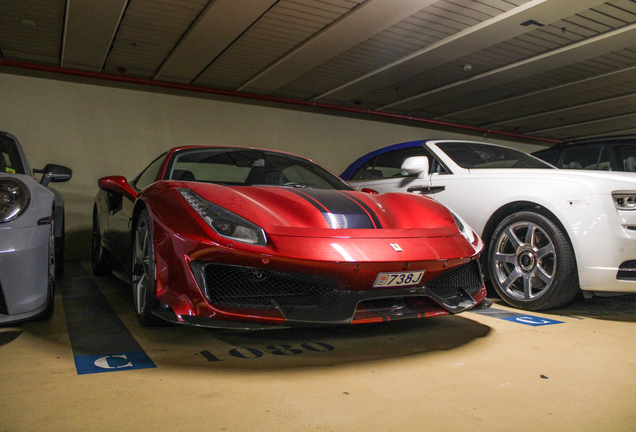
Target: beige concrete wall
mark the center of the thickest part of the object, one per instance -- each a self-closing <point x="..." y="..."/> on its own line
<point x="101" y="130"/>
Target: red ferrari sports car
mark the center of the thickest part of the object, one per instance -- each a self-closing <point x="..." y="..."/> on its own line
<point x="252" y="239"/>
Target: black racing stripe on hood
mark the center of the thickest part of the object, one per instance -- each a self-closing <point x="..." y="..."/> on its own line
<point x="369" y="210"/>
<point x="339" y="210"/>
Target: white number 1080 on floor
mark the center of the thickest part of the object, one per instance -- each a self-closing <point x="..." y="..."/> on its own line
<point x="398" y="279"/>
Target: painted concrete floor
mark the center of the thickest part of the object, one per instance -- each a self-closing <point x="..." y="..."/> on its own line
<point x="500" y="370"/>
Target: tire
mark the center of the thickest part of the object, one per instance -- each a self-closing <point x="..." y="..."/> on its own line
<point x="100" y="256"/>
<point x="531" y="263"/>
<point x="144" y="273"/>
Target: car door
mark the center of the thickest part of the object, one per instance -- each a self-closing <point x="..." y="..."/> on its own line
<point x="471" y="195"/>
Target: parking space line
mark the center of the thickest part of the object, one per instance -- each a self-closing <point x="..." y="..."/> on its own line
<point x="99" y="339"/>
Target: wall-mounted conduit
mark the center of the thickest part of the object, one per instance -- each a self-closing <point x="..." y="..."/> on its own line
<point x="266" y="98"/>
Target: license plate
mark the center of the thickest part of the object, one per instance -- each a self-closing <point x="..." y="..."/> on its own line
<point x="398" y="279"/>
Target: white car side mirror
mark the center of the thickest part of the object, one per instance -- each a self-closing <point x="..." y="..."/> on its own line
<point x="416" y="165"/>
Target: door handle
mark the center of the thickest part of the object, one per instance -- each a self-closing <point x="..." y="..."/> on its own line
<point x="425" y="190"/>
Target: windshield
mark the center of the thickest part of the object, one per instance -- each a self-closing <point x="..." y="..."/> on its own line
<point x="484" y="156"/>
<point x="246" y="167"/>
<point x="10" y="161"/>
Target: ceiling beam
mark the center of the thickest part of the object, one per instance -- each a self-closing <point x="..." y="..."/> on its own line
<point x="512" y="104"/>
<point x="614" y="123"/>
<point x="362" y="22"/>
<point x="476" y="38"/>
<point x="220" y="23"/>
<point x="576" y="110"/>
<point x="89" y="29"/>
<point x="615" y="132"/>
<point x="602" y="44"/>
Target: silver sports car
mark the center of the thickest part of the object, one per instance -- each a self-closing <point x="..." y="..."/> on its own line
<point x="31" y="234"/>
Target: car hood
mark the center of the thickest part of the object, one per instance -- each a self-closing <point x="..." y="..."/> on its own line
<point x="325" y="212"/>
<point x="599" y="181"/>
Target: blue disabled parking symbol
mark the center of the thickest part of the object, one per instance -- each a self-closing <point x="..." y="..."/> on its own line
<point x="90" y="364"/>
<point x="531" y="320"/>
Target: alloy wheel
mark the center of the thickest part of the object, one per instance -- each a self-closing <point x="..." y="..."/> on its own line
<point x="524" y="261"/>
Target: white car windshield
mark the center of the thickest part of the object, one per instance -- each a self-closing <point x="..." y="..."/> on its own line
<point x="485" y="156"/>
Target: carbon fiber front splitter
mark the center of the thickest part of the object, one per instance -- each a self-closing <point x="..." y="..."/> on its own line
<point x="352" y="307"/>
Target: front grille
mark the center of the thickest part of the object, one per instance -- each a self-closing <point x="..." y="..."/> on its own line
<point x="246" y="287"/>
<point x="627" y="270"/>
<point x="467" y="277"/>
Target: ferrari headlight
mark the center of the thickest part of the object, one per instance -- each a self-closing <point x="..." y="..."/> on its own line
<point x="14" y="198"/>
<point x="224" y="222"/>
<point x="624" y="201"/>
<point x="463" y="227"/>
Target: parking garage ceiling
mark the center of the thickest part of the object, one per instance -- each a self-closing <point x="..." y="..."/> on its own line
<point x="557" y="69"/>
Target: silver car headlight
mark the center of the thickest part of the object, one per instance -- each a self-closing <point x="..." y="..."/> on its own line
<point x="14" y="198"/>
<point x="624" y="200"/>
<point x="224" y="222"/>
<point x="463" y="227"/>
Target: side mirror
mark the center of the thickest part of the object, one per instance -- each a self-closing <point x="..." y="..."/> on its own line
<point x="416" y="165"/>
<point x="53" y="173"/>
<point x="117" y="185"/>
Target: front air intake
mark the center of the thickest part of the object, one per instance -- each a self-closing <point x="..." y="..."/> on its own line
<point x="468" y="277"/>
<point x="252" y="288"/>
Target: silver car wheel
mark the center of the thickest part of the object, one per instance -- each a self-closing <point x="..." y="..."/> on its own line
<point x="144" y="273"/>
<point x="143" y="266"/>
<point x="531" y="262"/>
<point x="525" y="261"/>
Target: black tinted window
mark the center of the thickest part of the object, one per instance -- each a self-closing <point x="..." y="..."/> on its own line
<point x="550" y="156"/>
<point x="627" y="157"/>
<point x="591" y="158"/>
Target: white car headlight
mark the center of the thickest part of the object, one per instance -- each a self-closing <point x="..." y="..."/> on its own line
<point x="463" y="227"/>
<point x="14" y="198"/>
<point x="624" y="200"/>
<point x="224" y="222"/>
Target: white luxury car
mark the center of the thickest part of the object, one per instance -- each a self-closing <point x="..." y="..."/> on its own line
<point x="548" y="232"/>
